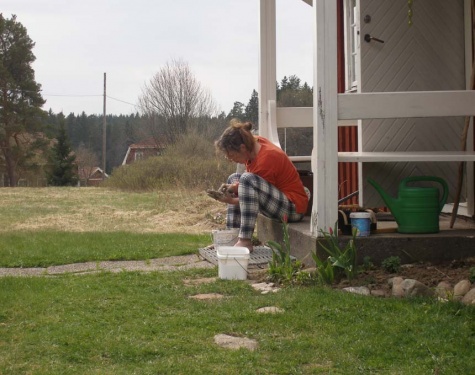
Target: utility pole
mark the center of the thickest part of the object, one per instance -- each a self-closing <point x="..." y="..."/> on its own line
<point x="104" y="127"/>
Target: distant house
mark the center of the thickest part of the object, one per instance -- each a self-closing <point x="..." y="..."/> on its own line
<point x="143" y="150"/>
<point x="91" y="176"/>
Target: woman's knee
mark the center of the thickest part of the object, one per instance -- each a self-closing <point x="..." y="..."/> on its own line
<point x="247" y="178"/>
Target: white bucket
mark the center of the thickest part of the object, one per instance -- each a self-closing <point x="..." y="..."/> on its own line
<point x="227" y="237"/>
<point x="232" y="262"/>
<point x="362" y="222"/>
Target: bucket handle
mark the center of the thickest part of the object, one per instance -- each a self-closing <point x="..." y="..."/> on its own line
<point x="237" y="261"/>
<point x="432" y="179"/>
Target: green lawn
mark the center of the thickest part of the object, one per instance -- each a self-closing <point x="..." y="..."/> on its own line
<point x="48" y="248"/>
<point x="134" y="323"/>
<point x="145" y="323"/>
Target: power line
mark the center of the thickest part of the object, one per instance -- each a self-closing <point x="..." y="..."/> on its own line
<point x="69" y="95"/>
<point x="42" y="93"/>
<point x="78" y="96"/>
<point x="123" y="101"/>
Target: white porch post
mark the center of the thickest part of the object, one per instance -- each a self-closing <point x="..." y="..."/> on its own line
<point x="325" y="118"/>
<point x="267" y="64"/>
<point x="470" y="168"/>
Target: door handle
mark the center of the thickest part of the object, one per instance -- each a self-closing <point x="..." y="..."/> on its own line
<point x="368" y="38"/>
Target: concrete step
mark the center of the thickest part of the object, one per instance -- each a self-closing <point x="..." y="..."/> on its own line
<point x="448" y="244"/>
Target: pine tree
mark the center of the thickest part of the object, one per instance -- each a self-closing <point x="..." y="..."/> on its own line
<point x="20" y="97"/>
<point x="291" y="93"/>
<point x="237" y="111"/>
<point x="252" y="108"/>
<point x="62" y="161"/>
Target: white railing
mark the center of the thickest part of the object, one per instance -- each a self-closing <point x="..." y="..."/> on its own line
<point x="383" y="105"/>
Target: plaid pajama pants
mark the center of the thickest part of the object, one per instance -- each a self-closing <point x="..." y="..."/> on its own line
<point x="257" y="195"/>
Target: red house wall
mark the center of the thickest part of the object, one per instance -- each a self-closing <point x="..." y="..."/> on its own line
<point x="347" y="135"/>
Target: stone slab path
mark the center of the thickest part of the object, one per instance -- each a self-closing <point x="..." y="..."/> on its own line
<point x="174" y="263"/>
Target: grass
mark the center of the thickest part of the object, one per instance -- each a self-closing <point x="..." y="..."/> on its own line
<point x="71" y="209"/>
<point x="145" y="323"/>
<point x="49" y="248"/>
<point x="50" y="226"/>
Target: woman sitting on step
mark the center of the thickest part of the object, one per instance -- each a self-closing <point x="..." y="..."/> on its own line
<point x="270" y="185"/>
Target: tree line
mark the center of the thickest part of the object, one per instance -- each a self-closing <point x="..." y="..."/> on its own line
<point x="171" y="104"/>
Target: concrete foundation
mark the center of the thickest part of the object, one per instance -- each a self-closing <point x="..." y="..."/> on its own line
<point x="448" y="244"/>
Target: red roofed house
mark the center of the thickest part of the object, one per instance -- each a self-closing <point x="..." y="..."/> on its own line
<point x="143" y="150"/>
<point x="91" y="176"/>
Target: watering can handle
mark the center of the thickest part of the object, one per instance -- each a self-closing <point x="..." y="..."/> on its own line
<point x="429" y="178"/>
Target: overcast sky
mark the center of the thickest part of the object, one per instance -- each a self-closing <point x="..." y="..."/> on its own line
<point x="77" y="41"/>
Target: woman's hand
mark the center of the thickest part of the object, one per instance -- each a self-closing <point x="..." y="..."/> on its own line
<point x="231" y="189"/>
<point x="225" y="194"/>
<point x="229" y="193"/>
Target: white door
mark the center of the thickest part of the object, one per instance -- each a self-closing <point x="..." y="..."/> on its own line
<point x="428" y="55"/>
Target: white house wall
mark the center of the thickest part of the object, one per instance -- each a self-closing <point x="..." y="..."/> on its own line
<point x="427" y="56"/>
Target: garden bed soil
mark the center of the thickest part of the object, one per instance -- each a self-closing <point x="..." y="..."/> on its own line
<point x="425" y="272"/>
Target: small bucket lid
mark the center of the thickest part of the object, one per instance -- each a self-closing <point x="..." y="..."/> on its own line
<point x="225" y="231"/>
<point x="360" y="215"/>
<point x="232" y="251"/>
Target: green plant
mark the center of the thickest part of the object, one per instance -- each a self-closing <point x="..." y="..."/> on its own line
<point x="304" y="277"/>
<point x="325" y="271"/>
<point x="472" y="275"/>
<point x="367" y="263"/>
<point x="342" y="259"/>
<point x="391" y="264"/>
<point x="282" y="268"/>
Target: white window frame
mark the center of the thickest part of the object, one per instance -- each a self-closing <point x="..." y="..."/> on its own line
<point x="138" y="155"/>
<point x="352" y="44"/>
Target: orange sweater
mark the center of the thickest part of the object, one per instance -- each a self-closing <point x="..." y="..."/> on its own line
<point x="273" y="165"/>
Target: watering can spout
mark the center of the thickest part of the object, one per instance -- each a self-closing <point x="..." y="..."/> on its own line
<point x="392" y="203"/>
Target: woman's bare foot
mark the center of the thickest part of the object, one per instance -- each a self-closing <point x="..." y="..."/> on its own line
<point x="245" y="242"/>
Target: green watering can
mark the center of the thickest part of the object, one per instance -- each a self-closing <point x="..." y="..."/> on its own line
<point x="416" y="209"/>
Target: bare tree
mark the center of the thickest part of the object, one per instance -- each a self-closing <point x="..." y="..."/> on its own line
<point x="174" y="101"/>
<point x="87" y="162"/>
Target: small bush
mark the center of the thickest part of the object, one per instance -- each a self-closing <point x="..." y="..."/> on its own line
<point x="391" y="264"/>
<point x="189" y="164"/>
<point x="367" y="263"/>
